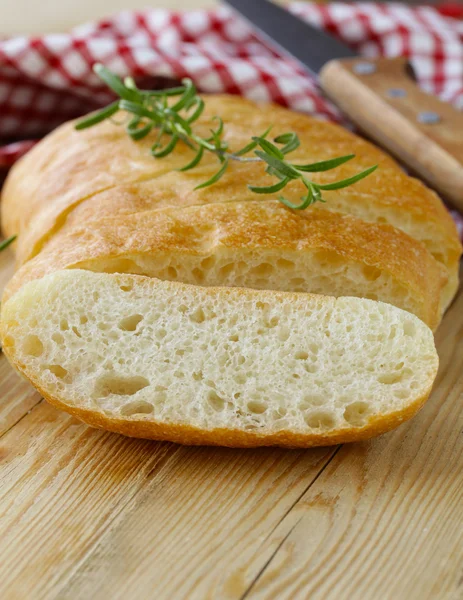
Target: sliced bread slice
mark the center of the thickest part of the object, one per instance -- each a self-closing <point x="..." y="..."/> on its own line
<point x="226" y="366"/>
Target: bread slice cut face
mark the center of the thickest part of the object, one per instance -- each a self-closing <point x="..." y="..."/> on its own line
<point x="229" y="366"/>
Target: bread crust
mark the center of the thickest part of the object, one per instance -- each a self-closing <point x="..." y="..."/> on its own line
<point x="244" y="228"/>
<point x="68" y="168"/>
<point x="193" y="436"/>
<point x="233" y="438"/>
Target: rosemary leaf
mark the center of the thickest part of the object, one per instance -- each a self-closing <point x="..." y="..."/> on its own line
<point x="196" y="160"/>
<point x="337" y="185"/>
<point x="215" y="177"/>
<point x="290" y="140"/>
<point x="139" y="110"/>
<point x="200" y="105"/>
<point x="324" y="165"/>
<point x="136" y="132"/>
<point x="179" y="121"/>
<point x="269" y="148"/>
<point x="278" y="165"/>
<point x="167" y="148"/>
<point x="115" y="83"/>
<point x="253" y="144"/>
<point x="269" y="189"/>
<point x="188" y="94"/>
<point x="98" y="116"/>
<point x="7" y="242"/>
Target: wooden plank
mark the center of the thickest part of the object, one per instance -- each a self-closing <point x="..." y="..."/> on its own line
<point x="17" y="397"/>
<point x="205" y="515"/>
<point x="385" y="518"/>
<point x="152" y="509"/>
<point x="62" y="485"/>
<point x="6" y="266"/>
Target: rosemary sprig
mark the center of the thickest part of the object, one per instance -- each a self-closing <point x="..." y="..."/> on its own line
<point x="152" y="110"/>
<point x="7" y="242"/>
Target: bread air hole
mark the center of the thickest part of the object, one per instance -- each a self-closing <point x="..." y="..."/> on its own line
<point x="356" y="413"/>
<point x="311" y="401"/>
<point x="198" y="274"/>
<point x="409" y="328"/>
<point x="208" y="263"/>
<point x="76" y="331"/>
<point x="273" y="322"/>
<point x="119" y="386"/>
<point x="137" y="408"/>
<point x="199" y="316"/>
<point x="284" y="264"/>
<point x="390" y="378"/>
<point x="215" y="401"/>
<point x="126" y="287"/>
<point x="226" y="270"/>
<point x="32" y="346"/>
<point x="257" y="407"/>
<point x="130" y="323"/>
<point x="58" y="371"/>
<point x="327" y="257"/>
<point x="371" y="273"/>
<point x="58" y="338"/>
<point x="262" y="270"/>
<point x="319" y="420"/>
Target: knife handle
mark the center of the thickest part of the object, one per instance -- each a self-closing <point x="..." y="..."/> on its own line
<point x="382" y="98"/>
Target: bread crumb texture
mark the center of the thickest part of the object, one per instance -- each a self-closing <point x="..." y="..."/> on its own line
<point x="144" y="350"/>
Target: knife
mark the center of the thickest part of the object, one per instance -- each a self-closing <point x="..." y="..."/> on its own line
<point x="379" y="95"/>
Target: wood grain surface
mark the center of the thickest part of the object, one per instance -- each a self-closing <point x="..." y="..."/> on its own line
<point x="89" y="514"/>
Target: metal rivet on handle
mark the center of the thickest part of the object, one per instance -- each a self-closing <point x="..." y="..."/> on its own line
<point x="428" y="117"/>
<point x="364" y="68"/>
<point x="396" y="93"/>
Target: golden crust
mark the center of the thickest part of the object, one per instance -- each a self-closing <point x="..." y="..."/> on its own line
<point x="418" y="212"/>
<point x="233" y="438"/>
<point x="69" y="167"/>
<point x="244" y="227"/>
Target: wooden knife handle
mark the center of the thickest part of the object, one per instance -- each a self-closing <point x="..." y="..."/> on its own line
<point x="382" y="98"/>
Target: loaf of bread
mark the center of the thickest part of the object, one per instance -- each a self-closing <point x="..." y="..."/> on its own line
<point x="91" y="205"/>
<point x="229" y="366"/>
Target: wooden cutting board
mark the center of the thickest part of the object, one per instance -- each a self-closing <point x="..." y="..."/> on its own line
<point x="86" y="514"/>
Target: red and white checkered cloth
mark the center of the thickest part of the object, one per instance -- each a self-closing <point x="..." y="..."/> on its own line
<point x="47" y="80"/>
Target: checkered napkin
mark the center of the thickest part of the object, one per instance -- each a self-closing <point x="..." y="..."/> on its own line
<point x="48" y="79"/>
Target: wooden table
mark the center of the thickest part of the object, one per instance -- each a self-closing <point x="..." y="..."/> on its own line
<point x="86" y="514"/>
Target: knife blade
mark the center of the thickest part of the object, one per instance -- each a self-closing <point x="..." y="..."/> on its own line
<point x="378" y="95"/>
<point x="291" y="35"/>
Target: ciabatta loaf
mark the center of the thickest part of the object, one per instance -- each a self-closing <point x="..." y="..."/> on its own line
<point x="235" y="367"/>
<point x="152" y="308"/>
<point x="105" y="173"/>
